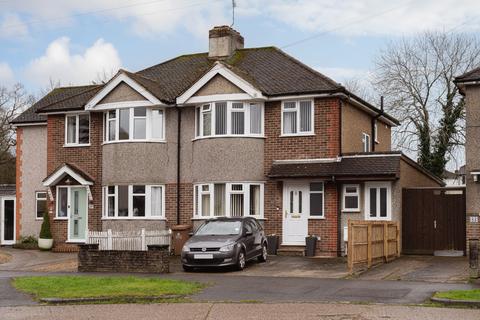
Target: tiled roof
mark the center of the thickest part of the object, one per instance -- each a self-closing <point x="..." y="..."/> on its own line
<point x="387" y="166"/>
<point x="472" y="75"/>
<point x="269" y="69"/>
<point x="59" y="99"/>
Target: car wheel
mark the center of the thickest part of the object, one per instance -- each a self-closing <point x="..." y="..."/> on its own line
<point x="187" y="268"/>
<point x="241" y="260"/>
<point x="264" y="255"/>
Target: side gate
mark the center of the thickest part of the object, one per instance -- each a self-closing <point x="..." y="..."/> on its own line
<point x="433" y="219"/>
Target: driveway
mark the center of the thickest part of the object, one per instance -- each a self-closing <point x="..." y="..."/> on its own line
<point x="38" y="261"/>
<point x="421" y="268"/>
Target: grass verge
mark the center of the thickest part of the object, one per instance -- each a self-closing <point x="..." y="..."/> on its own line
<point x="114" y="287"/>
<point x="473" y="295"/>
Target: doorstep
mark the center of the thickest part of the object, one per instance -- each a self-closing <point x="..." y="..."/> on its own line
<point x="295" y="251"/>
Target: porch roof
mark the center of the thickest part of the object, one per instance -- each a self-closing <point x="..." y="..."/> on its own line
<point x="348" y="167"/>
<point x="67" y="169"/>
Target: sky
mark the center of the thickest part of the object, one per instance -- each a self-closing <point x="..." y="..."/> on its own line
<point x="76" y="42"/>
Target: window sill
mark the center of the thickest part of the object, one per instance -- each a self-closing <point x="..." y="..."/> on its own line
<point x="230" y="136"/>
<point x="76" y="145"/>
<point x="60" y="218"/>
<point x="316" y="218"/>
<point x="292" y="135"/>
<point x="133" y="141"/>
<point x="38" y="219"/>
<point x="351" y="210"/>
<point x="378" y="219"/>
<point x="208" y="218"/>
<point x="133" y="218"/>
<point x="75" y="241"/>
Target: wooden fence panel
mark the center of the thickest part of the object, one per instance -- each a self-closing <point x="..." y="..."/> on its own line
<point x="372" y="242"/>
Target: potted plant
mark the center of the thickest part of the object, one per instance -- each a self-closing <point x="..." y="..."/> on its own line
<point x="45" y="241"/>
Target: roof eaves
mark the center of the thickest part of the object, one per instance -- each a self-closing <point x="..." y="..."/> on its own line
<point x="90" y="88"/>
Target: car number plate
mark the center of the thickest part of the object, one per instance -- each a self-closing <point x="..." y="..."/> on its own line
<point x="203" y="256"/>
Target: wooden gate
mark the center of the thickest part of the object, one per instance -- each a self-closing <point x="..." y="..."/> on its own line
<point x="433" y="219"/>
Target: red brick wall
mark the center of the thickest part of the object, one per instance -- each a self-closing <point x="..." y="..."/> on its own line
<point x="18" y="183"/>
<point x="324" y="144"/>
<point x="186" y="203"/>
<point x="87" y="159"/>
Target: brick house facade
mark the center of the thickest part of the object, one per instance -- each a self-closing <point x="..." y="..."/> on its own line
<point x="230" y="132"/>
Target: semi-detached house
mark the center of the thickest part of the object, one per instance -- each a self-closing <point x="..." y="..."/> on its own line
<point x="231" y="132"/>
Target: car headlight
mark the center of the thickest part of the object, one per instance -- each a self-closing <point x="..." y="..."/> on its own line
<point x="228" y="247"/>
<point x="185" y="248"/>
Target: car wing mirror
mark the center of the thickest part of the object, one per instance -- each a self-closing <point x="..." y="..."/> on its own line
<point x="190" y="234"/>
<point x="248" y="233"/>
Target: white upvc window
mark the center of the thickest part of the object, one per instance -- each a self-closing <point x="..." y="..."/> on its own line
<point x="77" y="130"/>
<point x="317" y="200"/>
<point x="229" y="118"/>
<point x="297" y="117"/>
<point x="378" y="201"/>
<point x="228" y="200"/>
<point x="40" y="204"/>
<point x="134" y="202"/>
<point x="351" y="198"/>
<point x="366" y="142"/>
<point x="134" y="124"/>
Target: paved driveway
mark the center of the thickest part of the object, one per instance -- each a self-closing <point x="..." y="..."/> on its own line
<point x="38" y="261"/>
<point x="421" y="268"/>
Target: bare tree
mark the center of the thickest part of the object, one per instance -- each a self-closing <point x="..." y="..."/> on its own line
<point x="13" y="101"/>
<point x="416" y="77"/>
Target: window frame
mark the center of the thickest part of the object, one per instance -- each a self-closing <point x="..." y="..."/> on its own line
<point x="130" y="216"/>
<point x="310" y="216"/>
<point x="197" y="199"/>
<point x="131" y="127"/>
<point x="57" y="202"/>
<point x="40" y="199"/>
<point x="229" y="111"/>
<point x="366" y="147"/>
<point x="77" y="130"/>
<point x="375" y="132"/>
<point x="378" y="186"/>
<point x="350" y="194"/>
<point x="298" y="120"/>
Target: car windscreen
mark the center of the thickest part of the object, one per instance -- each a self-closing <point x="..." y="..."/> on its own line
<point x="219" y="228"/>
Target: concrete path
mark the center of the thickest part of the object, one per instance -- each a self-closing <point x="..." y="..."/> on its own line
<point x="207" y="311"/>
<point x="39" y="261"/>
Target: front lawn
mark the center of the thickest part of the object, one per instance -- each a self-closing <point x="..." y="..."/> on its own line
<point x="473" y="295"/>
<point x="99" y="287"/>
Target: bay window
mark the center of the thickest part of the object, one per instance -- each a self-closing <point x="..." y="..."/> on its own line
<point x="77" y="129"/>
<point x="297" y="117"/>
<point x="135" y="124"/>
<point x="228" y="200"/>
<point x="378" y="201"/>
<point x="134" y="202"/>
<point x="229" y="119"/>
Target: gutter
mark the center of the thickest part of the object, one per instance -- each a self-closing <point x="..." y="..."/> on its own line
<point x="179" y="125"/>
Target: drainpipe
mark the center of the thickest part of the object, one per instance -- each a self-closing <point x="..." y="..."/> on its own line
<point x="179" y="125"/>
<point x="374" y="120"/>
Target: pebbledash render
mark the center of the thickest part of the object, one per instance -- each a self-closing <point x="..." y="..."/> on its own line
<point x="231" y="132"/>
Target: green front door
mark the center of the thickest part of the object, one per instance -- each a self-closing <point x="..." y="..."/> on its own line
<point x="78" y="214"/>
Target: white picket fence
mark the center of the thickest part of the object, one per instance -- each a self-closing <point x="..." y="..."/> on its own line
<point x="128" y="240"/>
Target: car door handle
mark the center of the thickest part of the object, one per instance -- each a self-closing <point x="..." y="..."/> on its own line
<point x="434" y="224"/>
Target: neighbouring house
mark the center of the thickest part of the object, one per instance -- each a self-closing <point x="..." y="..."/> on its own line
<point x="469" y="86"/>
<point x="454" y="179"/>
<point x="230" y="132"/>
<point x="8" y="225"/>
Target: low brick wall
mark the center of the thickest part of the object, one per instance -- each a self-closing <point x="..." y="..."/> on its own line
<point x="154" y="260"/>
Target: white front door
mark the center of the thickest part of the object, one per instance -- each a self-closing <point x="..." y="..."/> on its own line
<point x="295" y="213"/>
<point x="7" y="221"/>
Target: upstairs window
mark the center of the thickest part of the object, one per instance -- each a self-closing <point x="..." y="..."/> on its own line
<point x="135" y="124"/>
<point x="297" y="117"/>
<point x="77" y="130"/>
<point x="366" y="142"/>
<point x="229" y="119"/>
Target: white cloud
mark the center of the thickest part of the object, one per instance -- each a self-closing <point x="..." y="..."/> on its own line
<point x="59" y="64"/>
<point x="372" y="17"/>
<point x="12" y="26"/>
<point x="146" y="18"/>
<point x="6" y="74"/>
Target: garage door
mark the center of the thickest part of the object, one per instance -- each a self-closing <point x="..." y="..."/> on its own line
<point x="433" y="219"/>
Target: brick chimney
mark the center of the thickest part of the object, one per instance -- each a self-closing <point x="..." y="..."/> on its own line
<point x="223" y="41"/>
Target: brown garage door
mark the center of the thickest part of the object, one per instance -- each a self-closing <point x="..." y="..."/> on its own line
<point x="433" y="219"/>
